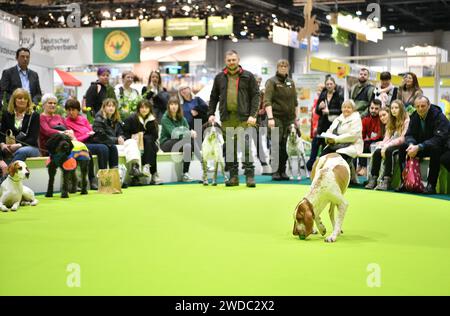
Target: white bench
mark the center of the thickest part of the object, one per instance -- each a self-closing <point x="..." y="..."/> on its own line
<point x="170" y="169"/>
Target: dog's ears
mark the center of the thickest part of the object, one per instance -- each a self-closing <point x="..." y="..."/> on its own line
<point x="12" y="168"/>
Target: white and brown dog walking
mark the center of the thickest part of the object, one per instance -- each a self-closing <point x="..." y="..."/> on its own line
<point x="330" y="179"/>
<point x="12" y="192"/>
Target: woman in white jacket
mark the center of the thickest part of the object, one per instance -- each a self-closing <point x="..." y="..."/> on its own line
<point x="345" y="133"/>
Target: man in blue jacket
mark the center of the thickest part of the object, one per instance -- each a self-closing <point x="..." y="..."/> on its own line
<point x="426" y="136"/>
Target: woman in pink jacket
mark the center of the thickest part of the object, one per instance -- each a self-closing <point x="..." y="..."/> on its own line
<point x="393" y="139"/>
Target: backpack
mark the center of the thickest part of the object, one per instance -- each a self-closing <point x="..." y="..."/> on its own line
<point x="411" y="176"/>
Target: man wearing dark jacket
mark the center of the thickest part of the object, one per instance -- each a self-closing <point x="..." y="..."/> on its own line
<point x="20" y="76"/>
<point x="426" y="135"/>
<point x="236" y="92"/>
<point x="445" y="158"/>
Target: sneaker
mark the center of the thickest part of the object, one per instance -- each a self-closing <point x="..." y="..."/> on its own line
<point x="430" y="189"/>
<point x="146" y="171"/>
<point x="384" y="185"/>
<point x="187" y="178"/>
<point x="93" y="183"/>
<point x="372" y="183"/>
<point x="155" y="179"/>
<point x="135" y="172"/>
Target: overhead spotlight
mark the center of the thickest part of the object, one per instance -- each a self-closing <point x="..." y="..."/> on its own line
<point x="358" y="13"/>
<point x="162" y="8"/>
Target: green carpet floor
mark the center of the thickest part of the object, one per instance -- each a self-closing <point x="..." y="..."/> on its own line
<point x="195" y="240"/>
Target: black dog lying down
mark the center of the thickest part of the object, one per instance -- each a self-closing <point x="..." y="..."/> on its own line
<point x="63" y="155"/>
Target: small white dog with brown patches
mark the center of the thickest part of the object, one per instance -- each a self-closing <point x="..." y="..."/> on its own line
<point x="330" y="179"/>
<point x="295" y="148"/>
<point x="12" y="192"/>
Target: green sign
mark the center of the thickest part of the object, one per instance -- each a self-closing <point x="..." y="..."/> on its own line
<point x="152" y="28"/>
<point x="181" y="27"/>
<point x="117" y="45"/>
<point x="218" y="26"/>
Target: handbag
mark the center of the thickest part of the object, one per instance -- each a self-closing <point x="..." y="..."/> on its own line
<point x="139" y="138"/>
<point x="109" y="181"/>
<point x="10" y="139"/>
<point x="411" y="176"/>
<point x="21" y="136"/>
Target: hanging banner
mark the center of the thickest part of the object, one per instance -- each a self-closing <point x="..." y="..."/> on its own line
<point x="152" y="28"/>
<point x="68" y="47"/>
<point x="181" y="27"/>
<point x="220" y="27"/>
<point x="117" y="45"/>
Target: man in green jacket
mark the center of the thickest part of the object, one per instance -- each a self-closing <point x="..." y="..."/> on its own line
<point x="362" y="93"/>
<point x="236" y="92"/>
<point x="280" y="101"/>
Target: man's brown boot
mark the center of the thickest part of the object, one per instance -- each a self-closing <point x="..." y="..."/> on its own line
<point x="251" y="181"/>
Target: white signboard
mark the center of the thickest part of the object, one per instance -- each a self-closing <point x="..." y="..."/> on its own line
<point x="68" y="47"/>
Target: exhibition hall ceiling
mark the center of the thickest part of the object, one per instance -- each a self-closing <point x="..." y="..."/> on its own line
<point x="253" y="18"/>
